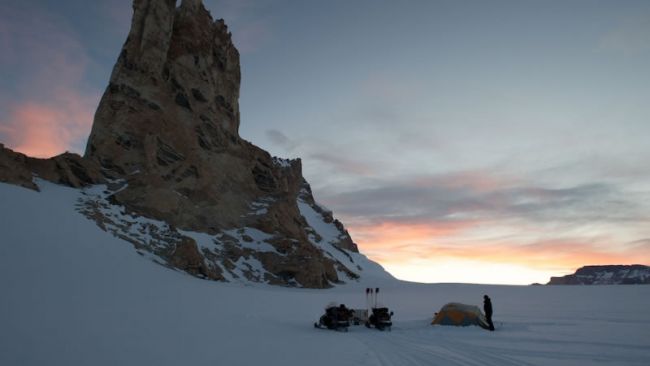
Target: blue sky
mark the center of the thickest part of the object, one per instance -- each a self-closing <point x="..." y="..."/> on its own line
<point x="471" y="141"/>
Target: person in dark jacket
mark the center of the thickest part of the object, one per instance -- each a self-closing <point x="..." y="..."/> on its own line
<point x="487" y="307"/>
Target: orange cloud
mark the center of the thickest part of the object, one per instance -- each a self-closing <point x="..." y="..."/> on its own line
<point x="399" y="241"/>
<point x="31" y="130"/>
<point x="45" y="129"/>
<point x="46" y="110"/>
<point x="564" y="254"/>
<point x="400" y="244"/>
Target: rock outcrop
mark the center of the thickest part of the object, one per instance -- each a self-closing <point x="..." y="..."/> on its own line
<point x="165" y="138"/>
<point x="606" y="275"/>
<point x="68" y="169"/>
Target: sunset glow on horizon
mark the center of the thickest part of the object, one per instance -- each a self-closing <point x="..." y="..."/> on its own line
<point x="457" y="142"/>
<point x="419" y="254"/>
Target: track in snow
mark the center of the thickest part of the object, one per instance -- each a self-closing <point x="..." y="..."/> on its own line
<point x="417" y="343"/>
<point x="414" y="344"/>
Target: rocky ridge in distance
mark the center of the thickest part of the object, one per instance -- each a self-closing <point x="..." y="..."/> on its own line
<point x="635" y="274"/>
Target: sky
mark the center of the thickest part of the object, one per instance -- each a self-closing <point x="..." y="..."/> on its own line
<point x="458" y="141"/>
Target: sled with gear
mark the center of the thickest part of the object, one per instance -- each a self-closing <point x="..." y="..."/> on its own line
<point x="359" y="316"/>
<point x="460" y="315"/>
<point x="380" y="316"/>
<point x="335" y="318"/>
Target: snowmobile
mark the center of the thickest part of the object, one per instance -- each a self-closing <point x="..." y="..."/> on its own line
<point x="335" y="318"/>
<point x="380" y="319"/>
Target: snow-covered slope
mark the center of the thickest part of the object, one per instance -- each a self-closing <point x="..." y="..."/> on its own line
<point x="235" y="255"/>
<point x="325" y="235"/>
<point x="73" y="294"/>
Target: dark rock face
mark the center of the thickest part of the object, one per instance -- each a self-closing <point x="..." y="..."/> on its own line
<point x="166" y="137"/>
<point x="168" y="124"/>
<point x="606" y="275"/>
<point x="67" y="169"/>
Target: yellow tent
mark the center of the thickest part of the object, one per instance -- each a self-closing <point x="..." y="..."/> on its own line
<point x="460" y="314"/>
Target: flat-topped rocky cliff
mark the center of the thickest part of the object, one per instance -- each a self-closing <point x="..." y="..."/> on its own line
<point x="635" y="274"/>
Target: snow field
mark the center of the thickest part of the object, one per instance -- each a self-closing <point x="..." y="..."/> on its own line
<point x="72" y="294"/>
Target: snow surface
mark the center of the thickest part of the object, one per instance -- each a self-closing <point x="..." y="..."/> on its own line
<point x="73" y="294"/>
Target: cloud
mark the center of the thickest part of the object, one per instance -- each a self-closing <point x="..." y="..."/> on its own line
<point x="641" y="245"/>
<point x="480" y="195"/>
<point x="45" y="129"/>
<point x="330" y="159"/>
<point x="485" y="217"/>
<point x="280" y="139"/>
<point x="49" y="110"/>
<point x="631" y="37"/>
<point x="396" y="243"/>
<point x="342" y="164"/>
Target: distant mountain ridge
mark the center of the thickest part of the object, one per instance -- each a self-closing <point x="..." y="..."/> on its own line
<point x="635" y="274"/>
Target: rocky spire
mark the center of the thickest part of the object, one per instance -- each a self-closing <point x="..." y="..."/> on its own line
<point x="167" y="129"/>
<point x="191" y="5"/>
<point x="178" y="70"/>
<point x="146" y="47"/>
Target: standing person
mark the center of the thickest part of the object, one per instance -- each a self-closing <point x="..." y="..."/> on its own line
<point x="487" y="307"/>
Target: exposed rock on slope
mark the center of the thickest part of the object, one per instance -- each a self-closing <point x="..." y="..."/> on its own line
<point x="68" y="169"/>
<point x="606" y="275"/>
<point x="165" y="137"/>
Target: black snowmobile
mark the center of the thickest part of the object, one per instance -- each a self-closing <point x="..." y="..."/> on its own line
<point x="335" y="318"/>
<point x="380" y="319"/>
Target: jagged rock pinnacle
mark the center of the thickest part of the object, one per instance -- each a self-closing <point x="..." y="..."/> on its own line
<point x="167" y="128"/>
<point x="192" y="5"/>
<point x="168" y="124"/>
